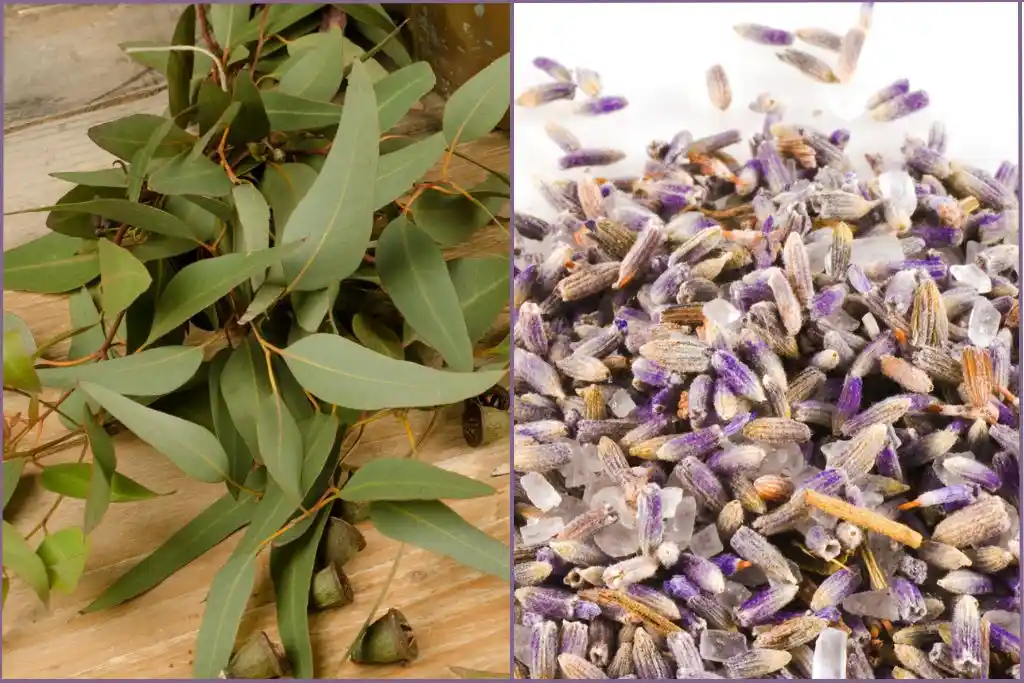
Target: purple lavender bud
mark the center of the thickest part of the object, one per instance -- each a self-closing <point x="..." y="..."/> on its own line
<point x="702" y="572"/>
<point x="827" y="301"/>
<point x="665" y="288"/>
<point x="829" y="481"/>
<point x="531" y="619"/>
<point x="888" y="464"/>
<point x="695" y="444"/>
<point x="933" y="265"/>
<point x="849" y="402"/>
<point x="776" y="174"/>
<point x="530" y="227"/>
<point x="546" y="93"/>
<point x="914" y="569"/>
<point x="653" y="374"/>
<point x="839" y="137"/>
<point x="1008" y="438"/>
<point x="830" y="614"/>
<point x="637" y="259"/>
<point x="967" y="582"/>
<point x="536" y="372"/>
<point x="764" y="35"/>
<point x="764" y="604"/>
<point x="740" y="378"/>
<point x="957" y="493"/>
<point x="530" y="330"/>
<point x="909" y="600"/>
<point x="649" y="521"/>
<point x="736" y="425"/>
<point x="1002" y="640"/>
<point x="1008" y="174"/>
<point x="666" y="401"/>
<point x="736" y="459"/>
<point x="654" y="599"/>
<point x="900" y="87"/>
<point x="587" y="611"/>
<point x="746" y="295"/>
<point x="522" y="285"/>
<point x="602" y="105"/>
<point x="699" y="399"/>
<point x="681" y="588"/>
<point x="1006" y="467"/>
<point x="858" y="279"/>
<point x="691" y="622"/>
<point x="575" y="636"/>
<point x="729" y="563"/>
<point x="939" y="235"/>
<point x="553" y="69"/>
<point x="590" y="431"/>
<point x="965" y="635"/>
<point x="553" y="603"/>
<point x="591" y="157"/>
<point x="900" y="106"/>
<point x="973" y="472"/>
<point x="832" y="590"/>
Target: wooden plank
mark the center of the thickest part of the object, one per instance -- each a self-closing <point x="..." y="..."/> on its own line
<point x="460" y="616"/>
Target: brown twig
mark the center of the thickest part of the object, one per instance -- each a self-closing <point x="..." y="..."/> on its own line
<point x="204" y="27"/>
<point x="259" y="43"/>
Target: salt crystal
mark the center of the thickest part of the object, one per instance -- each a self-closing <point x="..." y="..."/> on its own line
<point x="614" y="496"/>
<point x="706" y="543"/>
<point x="541" y="530"/>
<point x="734" y="595"/>
<point x="523" y="635"/>
<point x="841" y="320"/>
<point x="984" y="323"/>
<point x="718" y="646"/>
<point x="617" y="541"/>
<point x="897" y="187"/>
<point x="832" y="450"/>
<point x="878" y="604"/>
<point x="721" y="313"/>
<point x="679" y="528"/>
<point x="971" y="250"/>
<point x="671" y="496"/>
<point x="818" y="249"/>
<point x="787" y="459"/>
<point x="591" y="459"/>
<point x="871" y="326"/>
<point x="829" y="655"/>
<point x="540" y="491"/>
<point x="973" y="276"/>
<point x="592" y="488"/>
<point x="570" y="508"/>
<point x="621" y="403"/>
<point x="869" y="251"/>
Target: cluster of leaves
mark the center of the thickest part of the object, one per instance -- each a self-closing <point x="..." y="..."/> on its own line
<point x="245" y="283"/>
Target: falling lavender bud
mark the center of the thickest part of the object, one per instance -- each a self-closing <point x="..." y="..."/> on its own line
<point x="545" y="94"/>
<point x="901" y="106"/>
<point x="553" y="69"/>
<point x="602" y="105"/>
<point x="849" y="53"/>
<point x="808" y="64"/>
<point x="764" y="35"/>
<point x="591" y="157"/>
<point x="719" y="90"/>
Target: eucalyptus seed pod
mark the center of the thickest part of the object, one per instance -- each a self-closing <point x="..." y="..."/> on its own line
<point x="331" y="588"/>
<point x="388" y="640"/>
<point x="342" y="542"/>
<point x="259" y="657"/>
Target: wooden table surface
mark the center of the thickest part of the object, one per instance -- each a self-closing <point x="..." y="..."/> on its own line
<point x="63" y="74"/>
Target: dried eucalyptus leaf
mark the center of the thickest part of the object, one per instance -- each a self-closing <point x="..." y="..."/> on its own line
<point x="123" y="211"/>
<point x="240" y="459"/>
<point x="402" y="479"/>
<point x="289" y="113"/>
<point x="228" y="22"/>
<point x="12" y="474"/>
<point x="211" y="102"/>
<point x="49" y="265"/>
<point x="482" y="286"/>
<point x="253" y="225"/>
<point x="264" y="298"/>
<point x="142" y="159"/>
<point x="76" y="480"/>
<point x="279" y="17"/>
<point x="453" y="218"/>
<point x="243" y="381"/>
<point x="374" y="23"/>
<point x="19" y="372"/>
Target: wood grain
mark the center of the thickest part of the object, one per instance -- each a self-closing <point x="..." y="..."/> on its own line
<point x="460" y="616"/>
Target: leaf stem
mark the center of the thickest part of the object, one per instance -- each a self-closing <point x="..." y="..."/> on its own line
<point x="204" y="27"/>
<point x="480" y="204"/>
<point x="222" y="78"/>
<point x="56" y="503"/>
<point x="504" y="178"/>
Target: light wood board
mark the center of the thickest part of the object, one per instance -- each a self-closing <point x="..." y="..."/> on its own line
<point x="460" y="616"/>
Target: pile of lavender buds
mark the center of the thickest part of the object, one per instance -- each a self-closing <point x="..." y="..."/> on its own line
<point x="767" y="422"/>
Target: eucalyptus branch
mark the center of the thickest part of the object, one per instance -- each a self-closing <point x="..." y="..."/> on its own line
<point x="222" y="78"/>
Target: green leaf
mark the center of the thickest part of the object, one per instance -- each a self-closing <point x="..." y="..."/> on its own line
<point x="312" y="307"/>
<point x="434" y="526"/>
<point x="180" y="64"/>
<point x="123" y="211"/>
<point x="413" y="272"/>
<point x="452" y="219"/>
<point x="123" y="278"/>
<point x="214" y="524"/>
<point x="279" y="17"/>
<point x="280" y="445"/>
<point x="202" y="283"/>
<point x="239" y="457"/>
<point x="315" y="74"/>
<point x="83" y="312"/>
<point x="402" y="479"/>
<point x="78" y="224"/>
<point x="336" y="215"/>
<point x="251" y="123"/>
<point x="19" y="558"/>
<point x="63" y="553"/>
<point x="126" y="136"/>
<point x="101" y="477"/>
<point x="288" y="113"/>
<point x="153" y="372"/>
<point x="143" y="158"/>
<point x="18" y="370"/>
<point x="226" y="117"/>
<point x="243" y="381"/>
<point x="204" y="225"/>
<point x="482" y="287"/>
<point x="344" y="373"/>
<point x="12" y="475"/>
<point x="479" y="104"/>
<point x="49" y="265"/>
<point x="352" y="53"/>
<point x="399" y="91"/>
<point x="377" y="337"/>
<point x="319" y="434"/>
<point x="399" y="170"/>
<point x="225" y="604"/>
<point x="264" y="298"/>
<point x="227" y="22"/>
<point x="376" y="25"/>
<point x="194" y="176"/>
<point x="283" y="187"/>
<point x="211" y="105"/>
<point x="192" y="448"/>
<point x="104" y="177"/>
<point x="74" y="480"/>
<point x="253" y="224"/>
<point x="291" y="570"/>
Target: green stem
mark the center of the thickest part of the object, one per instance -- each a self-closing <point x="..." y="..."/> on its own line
<point x="504" y="178"/>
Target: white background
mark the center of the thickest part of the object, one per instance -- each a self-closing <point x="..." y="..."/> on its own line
<point x="656" y="55"/>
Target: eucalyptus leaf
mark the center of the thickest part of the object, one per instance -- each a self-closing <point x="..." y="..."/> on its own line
<point x="336" y="215"/>
<point x="104" y="177"/>
<point x="251" y="123"/>
<point x="452" y="218"/>
<point x="126" y="136"/>
<point x="397" y="171"/>
<point x="434" y="526"/>
<point x="63" y="552"/>
<point x="280" y="444"/>
<point x="253" y="224"/>
<point x="202" y="283"/>
<point x="180" y="64"/>
<point x="217" y="207"/>
<point x="242" y="383"/>
<point x="264" y="298"/>
<point x="211" y="526"/>
<point x="191" y="176"/>
<point x="400" y="90"/>
<point x="19" y="558"/>
<point x="311" y="307"/>
<point x="377" y="26"/>
<point x="191" y="447"/>
<point x="211" y="105"/>
<point x="239" y="457"/>
<point x="413" y="272"/>
<point x="352" y="53"/>
<point x="227" y="22"/>
<point x="283" y="187"/>
<point x="141" y="160"/>
<point x="123" y="277"/>
<point x="75" y="480"/>
<point x="224" y="119"/>
<point x="12" y="474"/>
<point x="279" y="17"/>
<point x="50" y="264"/>
<point x="403" y="479"/>
<point x="318" y="436"/>
<point x="102" y="471"/>
<point x="347" y="374"/>
<point x="289" y="113"/>
<point x="225" y="604"/>
<point x="123" y="211"/>
<point x="291" y="570"/>
<point x="153" y="372"/>
<point x="377" y="337"/>
<point x="479" y="104"/>
<point x="19" y="372"/>
<point x="316" y="73"/>
<point x="482" y="286"/>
